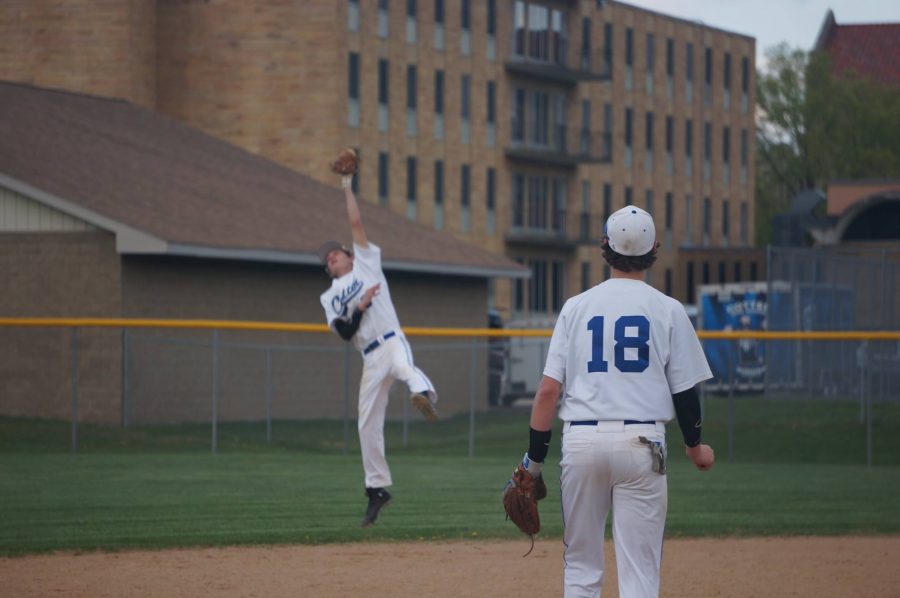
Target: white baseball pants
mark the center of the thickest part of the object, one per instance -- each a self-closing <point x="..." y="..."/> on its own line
<point x="604" y="466"/>
<point x="391" y="360"/>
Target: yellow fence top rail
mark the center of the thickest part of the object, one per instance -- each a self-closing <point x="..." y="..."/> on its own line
<point x="836" y="335"/>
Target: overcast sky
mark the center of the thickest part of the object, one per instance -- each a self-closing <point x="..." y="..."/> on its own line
<point x="796" y="22"/>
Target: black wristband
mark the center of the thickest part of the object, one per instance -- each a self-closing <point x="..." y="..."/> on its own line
<point x="690" y="419"/>
<point x="538" y="444"/>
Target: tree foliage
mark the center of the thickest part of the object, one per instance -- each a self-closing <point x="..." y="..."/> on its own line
<point x="814" y="126"/>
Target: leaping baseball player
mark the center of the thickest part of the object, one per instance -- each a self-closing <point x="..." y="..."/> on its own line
<point x="358" y="306"/>
<point x="626" y="360"/>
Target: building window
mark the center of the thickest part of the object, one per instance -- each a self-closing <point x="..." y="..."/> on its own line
<point x="726" y="81"/>
<point x="668" y="283"/>
<point x="689" y="73"/>
<point x="438" y="104"/>
<point x="465" y="108"/>
<point x="607" y="48"/>
<point x="707" y="76"/>
<point x="411" y="188"/>
<point x="648" y="142"/>
<point x="629" y="116"/>
<point x="383" y="179"/>
<point x="670" y="142"/>
<point x="383" y="19"/>
<point x="585" y="276"/>
<point x="519" y="292"/>
<point x="411" y="99"/>
<point x="745" y="82"/>
<point x="491" y="29"/>
<point x="353" y="15"/>
<point x="744" y="152"/>
<point x="722" y="276"/>
<point x="651" y="59"/>
<point x="585" y="134"/>
<point x="669" y="211"/>
<point x="607" y="202"/>
<point x="689" y="274"/>
<point x="439" y="194"/>
<point x="491" y="113"/>
<point x="438" y="24"/>
<point x="688" y="148"/>
<point x="518" y="201"/>
<point x="726" y="155"/>
<point x="649" y="201"/>
<point x="745" y="224"/>
<point x="585" y="43"/>
<point x="585" y="217"/>
<point x="558" y="286"/>
<point x="353" y="90"/>
<point x="726" y="224"/>
<point x="670" y="67"/>
<point x="465" y="199"/>
<point x="539" y="33"/>
<point x="465" y="34"/>
<point x="411" y="21"/>
<point x="628" y="199"/>
<point x="707" y="151"/>
<point x="537" y="286"/>
<point x="707" y="220"/>
<point x="629" y="58"/>
<point x="491" y="198"/>
<point x="753" y="273"/>
<point x="383" y="86"/>
<point x="737" y="272"/>
<point x="705" y="273"/>
<point x="688" y="220"/>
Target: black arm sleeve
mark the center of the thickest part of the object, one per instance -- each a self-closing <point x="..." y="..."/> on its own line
<point x="687" y="410"/>
<point x="346" y="329"/>
<point x="538" y="445"/>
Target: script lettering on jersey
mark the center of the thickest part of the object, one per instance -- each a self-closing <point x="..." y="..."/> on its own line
<point x="339" y="302"/>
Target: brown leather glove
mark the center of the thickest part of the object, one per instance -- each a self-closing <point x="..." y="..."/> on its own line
<point x="346" y="164"/>
<point x="520" y="498"/>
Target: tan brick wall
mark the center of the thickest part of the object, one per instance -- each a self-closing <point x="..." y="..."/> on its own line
<point x="99" y="47"/>
<point x="263" y="75"/>
<point x="62" y="275"/>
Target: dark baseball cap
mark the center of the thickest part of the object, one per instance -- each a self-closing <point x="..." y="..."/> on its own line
<point x="329" y="246"/>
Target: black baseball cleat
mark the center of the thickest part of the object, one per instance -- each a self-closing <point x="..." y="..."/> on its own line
<point x="379" y="498"/>
<point x="424" y="402"/>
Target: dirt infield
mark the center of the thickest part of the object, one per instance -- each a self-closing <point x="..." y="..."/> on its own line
<point x="821" y="567"/>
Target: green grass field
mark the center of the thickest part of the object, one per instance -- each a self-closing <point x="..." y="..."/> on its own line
<point x="799" y="468"/>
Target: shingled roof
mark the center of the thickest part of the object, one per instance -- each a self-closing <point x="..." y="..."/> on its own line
<point x="166" y="188"/>
<point x="869" y="50"/>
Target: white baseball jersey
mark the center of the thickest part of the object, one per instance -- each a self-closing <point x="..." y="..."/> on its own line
<point x="341" y="299"/>
<point x="622" y="349"/>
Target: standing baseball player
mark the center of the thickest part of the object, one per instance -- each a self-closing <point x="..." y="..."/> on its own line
<point x="358" y="307"/>
<point x="628" y="360"/>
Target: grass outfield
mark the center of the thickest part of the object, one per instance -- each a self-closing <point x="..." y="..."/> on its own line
<point x="798" y="469"/>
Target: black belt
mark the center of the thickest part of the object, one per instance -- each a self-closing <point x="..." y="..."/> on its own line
<point x="594" y="422"/>
<point x="377" y="343"/>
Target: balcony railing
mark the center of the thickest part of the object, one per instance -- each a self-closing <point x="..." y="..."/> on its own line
<point x="557" y="144"/>
<point x="556" y="66"/>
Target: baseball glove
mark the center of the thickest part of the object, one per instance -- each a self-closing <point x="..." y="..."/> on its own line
<point x="520" y="498"/>
<point x="346" y="164"/>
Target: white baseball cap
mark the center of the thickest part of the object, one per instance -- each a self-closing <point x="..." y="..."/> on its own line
<point x="631" y="231"/>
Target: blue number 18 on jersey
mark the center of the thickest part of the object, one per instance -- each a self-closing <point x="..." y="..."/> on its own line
<point x="639" y="342"/>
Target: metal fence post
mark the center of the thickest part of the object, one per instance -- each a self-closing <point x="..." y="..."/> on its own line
<point x="405" y="424"/>
<point x="346" y="396"/>
<point x="868" y="421"/>
<point x="472" y="372"/>
<point x="215" y="389"/>
<point x="74" y="390"/>
<point x="731" y="366"/>
<point x="269" y="396"/>
<point x="125" y="398"/>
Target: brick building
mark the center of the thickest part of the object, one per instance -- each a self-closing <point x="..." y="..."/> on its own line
<point x="514" y="125"/>
<point x="108" y="210"/>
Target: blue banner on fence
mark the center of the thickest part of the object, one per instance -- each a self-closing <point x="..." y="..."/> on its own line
<point x="735" y="307"/>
